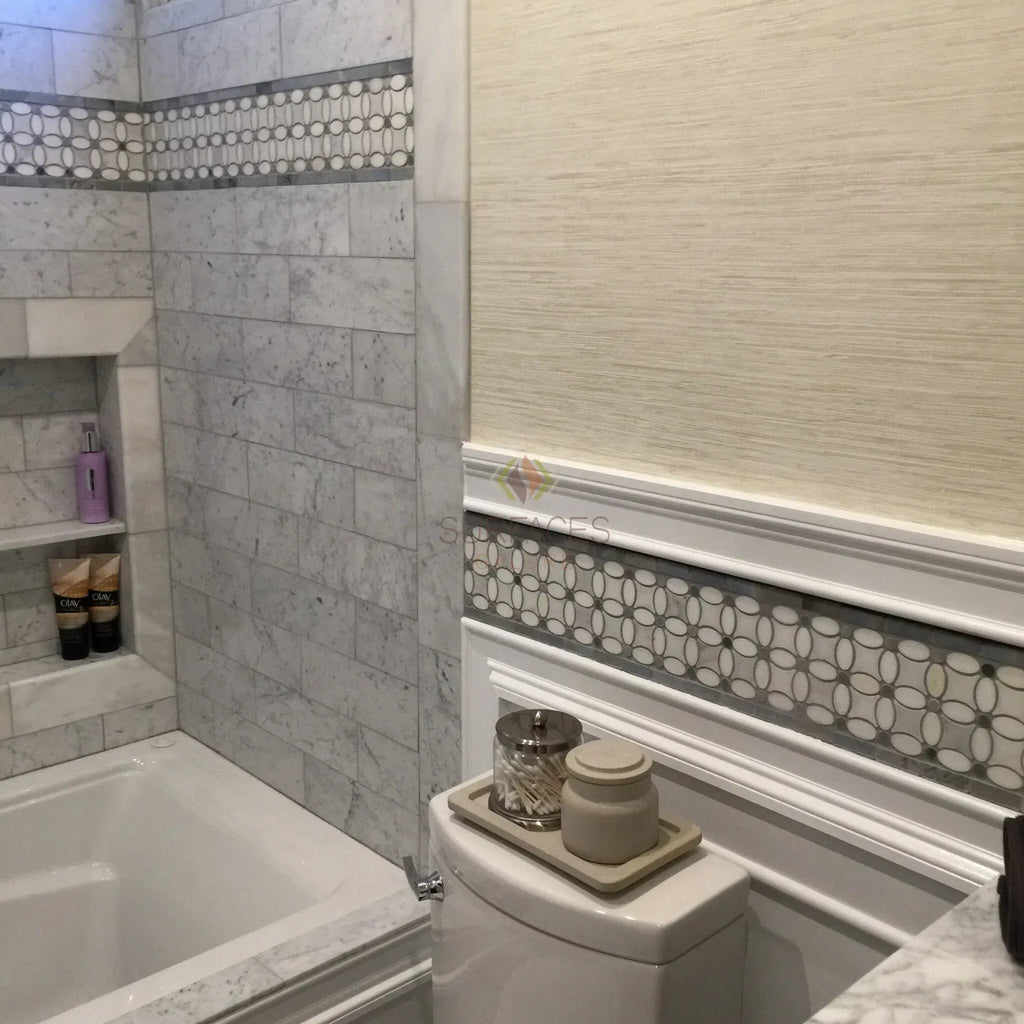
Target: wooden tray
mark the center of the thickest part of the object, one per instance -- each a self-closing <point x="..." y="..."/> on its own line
<point x="675" y="838"/>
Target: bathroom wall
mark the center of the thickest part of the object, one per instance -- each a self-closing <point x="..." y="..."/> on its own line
<point x="311" y="427"/>
<point x="772" y="247"/>
<point x="75" y="276"/>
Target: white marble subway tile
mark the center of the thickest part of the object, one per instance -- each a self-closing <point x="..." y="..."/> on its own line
<point x="74" y="219"/>
<point x="109" y="18"/>
<point x="259" y="752"/>
<point x="271" y="650"/>
<point x="246" y="410"/>
<point x="322" y="490"/>
<point x="249" y="286"/>
<point x="191" y="613"/>
<point x="182" y="14"/>
<point x="442" y="319"/>
<point x="13" y="329"/>
<point x="26" y="568"/>
<point x="386" y="640"/>
<point x="238" y="50"/>
<point x="315" y="729"/>
<point x="172" y="280"/>
<point x="298" y="355"/>
<point x="28" y="652"/>
<point x="439" y="577"/>
<point x="215" y="676"/>
<point x="147" y="598"/>
<point x="180" y="401"/>
<point x="196" y="220"/>
<point x="94" y="65"/>
<point x="381" y="573"/>
<point x="138" y="723"/>
<point x="12" y="444"/>
<point x="367" y="293"/>
<point x="3" y="627"/>
<point x="384" y="826"/>
<point x="388" y="768"/>
<point x="201" y="343"/>
<point x="381" y="215"/>
<point x="384" y="367"/>
<point x="440" y="708"/>
<point x="300" y="220"/>
<point x="361" y="434"/>
<point x="53" y="440"/>
<point x="37" y="496"/>
<point x="386" y="508"/>
<point x="104" y="274"/>
<point x="160" y="66"/>
<point x="305" y="607"/>
<point x="32" y="274"/>
<point x="141" y="443"/>
<point x="373" y="698"/>
<point x="26" y="55"/>
<point x="204" y="458"/>
<point x="441" y="46"/>
<point x="6" y="723"/>
<point x="34" y="387"/>
<point x="186" y="506"/>
<point x="258" y="531"/>
<point x="196" y="714"/>
<point x="242" y="6"/>
<point x="318" y="35"/>
<point x="50" y="746"/>
<point x="29" y="616"/>
<point x="212" y="570"/>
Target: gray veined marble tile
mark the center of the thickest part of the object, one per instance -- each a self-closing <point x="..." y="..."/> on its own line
<point x="213" y="570"/>
<point x="386" y="508"/>
<point x="196" y="714"/>
<point x="186" y="506"/>
<point x="29" y="652"/>
<point x="50" y="746"/>
<point x="191" y="613"/>
<point x="196" y="221"/>
<point x="138" y="723"/>
<point x="172" y="280"/>
<point x="373" y="698"/>
<point x="372" y="294"/>
<point x="6" y="724"/>
<point x="240" y="49"/>
<point x="37" y="496"/>
<point x="388" y="768"/>
<point x="204" y="458"/>
<point x="313" y="728"/>
<point x="73" y="219"/>
<point x="297" y="220"/>
<point x="248" y="286"/>
<point x="316" y="488"/>
<point x="259" y="531"/>
<point x="183" y="14"/>
<point x="53" y="440"/>
<point x="361" y="434"/>
<point x="304" y="607"/>
<point x="259" y="752"/>
<point x="202" y="343"/>
<point x="298" y="355"/>
<point x="29" y="616"/>
<point x="382" y="218"/>
<point x="440" y="709"/>
<point x="247" y="410"/>
<point x="26" y="55"/>
<point x="373" y="570"/>
<point x="103" y="274"/>
<point x="215" y="676"/>
<point x="386" y="640"/>
<point x="384" y="367"/>
<point x="38" y="386"/>
<point x="110" y="18"/>
<point x="180" y="400"/>
<point x="31" y="274"/>
<point x="12" y="445"/>
<point x="26" y="569"/>
<point x="92" y="65"/>
<point x="271" y="650"/>
<point x="160" y="66"/>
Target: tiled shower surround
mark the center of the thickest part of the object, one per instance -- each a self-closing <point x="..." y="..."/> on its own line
<point x="939" y="704"/>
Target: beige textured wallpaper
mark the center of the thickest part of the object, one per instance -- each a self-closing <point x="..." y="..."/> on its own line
<point x="772" y="245"/>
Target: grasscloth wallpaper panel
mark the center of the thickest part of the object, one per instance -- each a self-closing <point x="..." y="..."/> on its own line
<point x="773" y="246"/>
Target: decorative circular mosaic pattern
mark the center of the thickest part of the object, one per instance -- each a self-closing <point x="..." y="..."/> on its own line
<point x="941" y="707"/>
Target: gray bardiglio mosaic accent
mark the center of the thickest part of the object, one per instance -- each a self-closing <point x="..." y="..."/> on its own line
<point x="936" y="703"/>
<point x="349" y="125"/>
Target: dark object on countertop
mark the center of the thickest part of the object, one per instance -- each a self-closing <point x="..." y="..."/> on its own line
<point x="1011" y="888"/>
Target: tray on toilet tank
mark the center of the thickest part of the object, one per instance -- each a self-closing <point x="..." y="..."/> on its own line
<point x="675" y="838"/>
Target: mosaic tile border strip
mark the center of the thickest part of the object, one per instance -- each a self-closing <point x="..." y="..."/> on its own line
<point x="349" y="125"/>
<point x="942" y="705"/>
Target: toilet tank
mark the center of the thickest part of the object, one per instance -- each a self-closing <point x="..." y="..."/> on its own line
<point x="515" y="940"/>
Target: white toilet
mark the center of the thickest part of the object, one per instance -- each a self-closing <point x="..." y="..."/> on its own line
<point x="515" y="941"/>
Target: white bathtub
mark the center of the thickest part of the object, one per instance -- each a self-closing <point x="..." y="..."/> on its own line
<point x="138" y="874"/>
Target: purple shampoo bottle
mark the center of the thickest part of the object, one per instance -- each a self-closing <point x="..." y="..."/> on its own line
<point x="91" y="478"/>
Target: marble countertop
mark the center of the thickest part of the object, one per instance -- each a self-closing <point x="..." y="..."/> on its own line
<point x="957" y="971"/>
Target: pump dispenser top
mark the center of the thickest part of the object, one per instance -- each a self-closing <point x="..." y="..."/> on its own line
<point x="91" y="477"/>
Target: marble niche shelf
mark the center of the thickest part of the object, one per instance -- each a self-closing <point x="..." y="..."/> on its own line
<point x="14" y="537"/>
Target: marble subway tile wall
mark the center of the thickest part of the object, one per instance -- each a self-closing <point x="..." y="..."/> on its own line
<point x="311" y="446"/>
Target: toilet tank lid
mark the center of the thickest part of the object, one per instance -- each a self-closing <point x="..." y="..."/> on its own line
<point x="652" y="922"/>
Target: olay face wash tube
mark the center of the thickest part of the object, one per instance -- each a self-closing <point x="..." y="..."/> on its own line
<point x="70" y="580"/>
<point x="105" y="602"/>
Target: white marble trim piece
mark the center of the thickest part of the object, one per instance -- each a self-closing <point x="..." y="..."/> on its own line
<point x="17" y="537"/>
<point x="83" y="327"/>
<point x="91" y="687"/>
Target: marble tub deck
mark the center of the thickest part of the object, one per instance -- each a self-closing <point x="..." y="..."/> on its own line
<point x="956" y="971"/>
<point x="284" y="964"/>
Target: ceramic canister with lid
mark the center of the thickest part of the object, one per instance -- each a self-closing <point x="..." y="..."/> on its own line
<point x="609" y="803"/>
<point x="530" y="748"/>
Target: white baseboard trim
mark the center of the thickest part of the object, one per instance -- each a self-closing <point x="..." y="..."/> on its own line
<point x="928" y="829"/>
<point x="959" y="581"/>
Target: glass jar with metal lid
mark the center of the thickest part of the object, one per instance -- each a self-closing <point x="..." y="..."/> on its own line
<point x="529" y="765"/>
